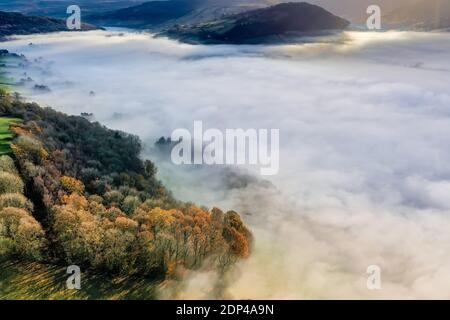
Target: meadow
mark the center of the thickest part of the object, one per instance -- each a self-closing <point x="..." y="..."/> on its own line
<point x="6" y="135"/>
<point x="4" y="86"/>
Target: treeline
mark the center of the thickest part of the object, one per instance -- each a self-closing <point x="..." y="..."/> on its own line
<point x="20" y="234"/>
<point x="76" y="192"/>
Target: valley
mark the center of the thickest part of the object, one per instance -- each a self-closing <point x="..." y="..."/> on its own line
<point x="362" y="170"/>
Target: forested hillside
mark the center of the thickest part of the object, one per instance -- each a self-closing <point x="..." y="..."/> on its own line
<point x="13" y="23"/>
<point x="75" y="192"/>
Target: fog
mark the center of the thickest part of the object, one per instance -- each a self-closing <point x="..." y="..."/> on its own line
<point x="364" y="125"/>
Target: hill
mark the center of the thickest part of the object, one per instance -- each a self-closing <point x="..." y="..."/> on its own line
<point x="57" y="9"/>
<point x="147" y="14"/>
<point x="260" y="25"/>
<point x="12" y="23"/>
<point x="75" y="192"/>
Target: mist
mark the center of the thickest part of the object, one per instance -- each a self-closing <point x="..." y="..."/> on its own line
<point x="364" y="125"/>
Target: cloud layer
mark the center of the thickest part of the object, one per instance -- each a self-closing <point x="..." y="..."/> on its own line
<point x="364" y="165"/>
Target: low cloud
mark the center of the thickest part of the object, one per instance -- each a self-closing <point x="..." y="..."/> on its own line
<point x="364" y="160"/>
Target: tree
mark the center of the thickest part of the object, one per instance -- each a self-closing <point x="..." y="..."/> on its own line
<point x="25" y="236"/>
<point x="26" y="147"/>
<point x="72" y="185"/>
<point x="119" y="245"/>
<point x="113" y="213"/>
<point x="7" y="165"/>
<point x="113" y="198"/>
<point x="150" y="168"/>
<point x="10" y="183"/>
<point x="15" y="200"/>
<point x="237" y="237"/>
<point x="78" y="233"/>
<point x="130" y="204"/>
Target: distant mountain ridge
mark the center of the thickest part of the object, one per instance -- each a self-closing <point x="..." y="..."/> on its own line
<point x="145" y="15"/>
<point x="159" y="14"/>
<point x="259" y="25"/>
<point x="206" y="21"/>
<point x="12" y="23"/>
<point x="163" y="13"/>
<point x="57" y="8"/>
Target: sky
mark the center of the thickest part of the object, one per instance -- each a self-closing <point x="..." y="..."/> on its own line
<point x="364" y="159"/>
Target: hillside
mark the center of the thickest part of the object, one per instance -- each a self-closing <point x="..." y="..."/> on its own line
<point x="260" y="25"/>
<point x="157" y="14"/>
<point x="57" y="9"/>
<point x="12" y="23"/>
<point x="75" y="192"/>
<point x="146" y="15"/>
<point x="421" y="15"/>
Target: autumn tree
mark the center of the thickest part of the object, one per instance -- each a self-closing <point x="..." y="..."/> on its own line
<point x="103" y="207"/>
<point x="20" y="234"/>
<point x="72" y="185"/>
<point x="26" y="147"/>
<point x="15" y="200"/>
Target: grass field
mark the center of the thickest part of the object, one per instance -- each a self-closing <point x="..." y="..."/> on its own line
<point x="6" y="82"/>
<point x="6" y="135"/>
<point x="3" y="79"/>
<point x="36" y="281"/>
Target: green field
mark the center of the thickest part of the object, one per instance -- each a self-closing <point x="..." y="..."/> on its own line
<point x="6" y="135"/>
<point x="4" y="87"/>
<point x="36" y="281"/>
<point x="3" y="79"/>
<point x="6" y="82"/>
